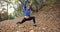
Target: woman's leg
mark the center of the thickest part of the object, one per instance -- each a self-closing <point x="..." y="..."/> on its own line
<point x="33" y="18"/>
<point x="27" y="19"/>
<point x="24" y="19"/>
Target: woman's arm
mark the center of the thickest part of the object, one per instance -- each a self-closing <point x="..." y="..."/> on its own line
<point x="30" y="4"/>
<point x="25" y="2"/>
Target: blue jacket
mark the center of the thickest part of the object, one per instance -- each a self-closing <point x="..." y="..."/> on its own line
<point x="26" y="11"/>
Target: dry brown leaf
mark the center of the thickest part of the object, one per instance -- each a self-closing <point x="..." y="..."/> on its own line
<point x="31" y="30"/>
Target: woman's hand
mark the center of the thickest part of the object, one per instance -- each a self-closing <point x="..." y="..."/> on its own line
<point x="25" y="0"/>
<point x="31" y="3"/>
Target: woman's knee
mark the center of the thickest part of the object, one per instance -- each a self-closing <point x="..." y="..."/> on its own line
<point x="32" y="17"/>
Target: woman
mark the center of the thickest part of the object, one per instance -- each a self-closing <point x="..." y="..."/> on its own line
<point x="27" y="16"/>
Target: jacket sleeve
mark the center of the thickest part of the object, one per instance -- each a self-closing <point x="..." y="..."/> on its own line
<point x="25" y="4"/>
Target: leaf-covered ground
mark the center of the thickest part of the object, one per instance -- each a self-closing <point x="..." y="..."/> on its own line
<point x="47" y="20"/>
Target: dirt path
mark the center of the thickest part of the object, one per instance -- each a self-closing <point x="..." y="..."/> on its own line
<point x="48" y="20"/>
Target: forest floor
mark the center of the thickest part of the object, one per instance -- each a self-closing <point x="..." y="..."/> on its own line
<point x="47" y="20"/>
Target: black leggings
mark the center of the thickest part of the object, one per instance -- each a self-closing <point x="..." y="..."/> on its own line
<point x="27" y="19"/>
